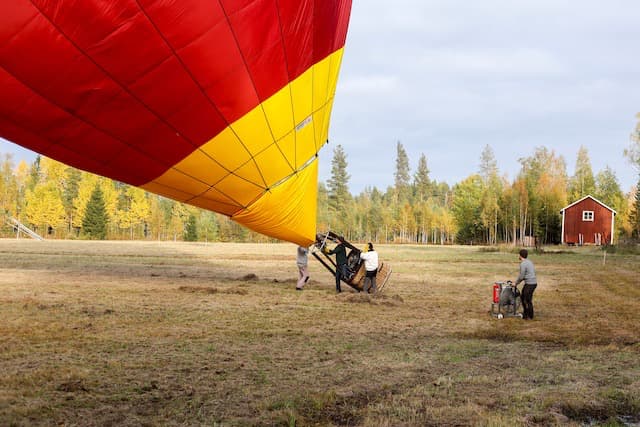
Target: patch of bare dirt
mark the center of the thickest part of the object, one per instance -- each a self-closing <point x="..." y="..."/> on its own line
<point x="212" y="290"/>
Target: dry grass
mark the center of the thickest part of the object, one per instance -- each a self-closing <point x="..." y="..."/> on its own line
<point x="119" y="333"/>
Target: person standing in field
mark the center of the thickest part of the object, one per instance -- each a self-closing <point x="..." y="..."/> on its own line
<point x="370" y="257"/>
<point x="302" y="263"/>
<point x="528" y="275"/>
<point x="341" y="261"/>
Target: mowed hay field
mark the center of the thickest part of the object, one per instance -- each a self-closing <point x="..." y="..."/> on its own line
<point x="152" y="333"/>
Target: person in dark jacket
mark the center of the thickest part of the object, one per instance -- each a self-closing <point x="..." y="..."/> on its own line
<point x="341" y="261"/>
<point x="528" y="275"/>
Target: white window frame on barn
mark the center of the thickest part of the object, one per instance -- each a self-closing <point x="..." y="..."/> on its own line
<point x="587" y="216"/>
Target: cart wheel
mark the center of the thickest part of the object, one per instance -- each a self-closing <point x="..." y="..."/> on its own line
<point x="500" y="316"/>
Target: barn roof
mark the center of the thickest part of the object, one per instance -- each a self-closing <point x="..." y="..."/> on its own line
<point x="589" y="196"/>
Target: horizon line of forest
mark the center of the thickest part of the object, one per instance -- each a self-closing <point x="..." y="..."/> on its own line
<point x="59" y="201"/>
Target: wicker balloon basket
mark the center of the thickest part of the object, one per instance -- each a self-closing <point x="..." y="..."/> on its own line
<point x="384" y="274"/>
<point x="355" y="266"/>
<point x="382" y="277"/>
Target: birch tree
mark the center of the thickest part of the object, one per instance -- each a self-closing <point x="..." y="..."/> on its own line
<point x="467" y="196"/>
<point x="8" y="187"/>
<point x="492" y="189"/>
<point x="44" y="207"/>
<point x="633" y="151"/>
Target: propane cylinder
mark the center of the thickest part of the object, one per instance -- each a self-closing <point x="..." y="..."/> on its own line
<point x="496" y="292"/>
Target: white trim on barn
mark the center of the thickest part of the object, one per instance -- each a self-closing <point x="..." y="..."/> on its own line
<point x="589" y="196"/>
<point x="613" y="217"/>
<point x="562" y="237"/>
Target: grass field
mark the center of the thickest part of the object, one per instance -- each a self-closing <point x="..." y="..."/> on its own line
<point x="146" y="333"/>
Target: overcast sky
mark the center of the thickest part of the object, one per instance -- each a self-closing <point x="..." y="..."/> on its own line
<point x="448" y="77"/>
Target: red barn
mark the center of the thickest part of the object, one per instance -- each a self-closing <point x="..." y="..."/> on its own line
<point x="587" y="222"/>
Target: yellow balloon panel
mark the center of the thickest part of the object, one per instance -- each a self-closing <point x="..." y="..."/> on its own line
<point x="183" y="183"/>
<point x="287" y="145"/>
<point x="216" y="201"/>
<point x="305" y="142"/>
<point x="323" y="82"/>
<point x="167" y="191"/>
<point x="240" y="190"/>
<point x="227" y="149"/>
<point x="293" y="221"/>
<point x="302" y="92"/>
<point x="272" y="164"/>
<point x="279" y="113"/>
<point x="335" y="61"/>
<point x="200" y="166"/>
<point x="253" y="130"/>
<point x="320" y="118"/>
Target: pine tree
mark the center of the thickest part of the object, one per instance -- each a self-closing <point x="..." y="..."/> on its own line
<point x="338" y="191"/>
<point x="421" y="180"/>
<point x="338" y="184"/>
<point x="402" y="172"/>
<point x="94" y="223"/>
<point x="191" y="231"/>
<point x="70" y="192"/>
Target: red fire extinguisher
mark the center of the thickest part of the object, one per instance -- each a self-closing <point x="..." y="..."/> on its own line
<point x="496" y="292"/>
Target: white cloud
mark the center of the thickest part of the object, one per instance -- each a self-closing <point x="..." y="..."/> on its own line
<point x="493" y="61"/>
<point x="368" y="84"/>
<point x="449" y="77"/>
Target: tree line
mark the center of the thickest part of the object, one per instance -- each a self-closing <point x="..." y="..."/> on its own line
<point x="59" y="201"/>
<point x="486" y="207"/>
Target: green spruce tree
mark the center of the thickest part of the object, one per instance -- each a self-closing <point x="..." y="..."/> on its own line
<point x="94" y="223"/>
<point x="338" y="184"/>
<point x="339" y="198"/>
<point x="421" y="180"/>
<point x="402" y="173"/>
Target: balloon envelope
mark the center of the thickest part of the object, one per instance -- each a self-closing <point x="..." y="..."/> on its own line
<point x="220" y="104"/>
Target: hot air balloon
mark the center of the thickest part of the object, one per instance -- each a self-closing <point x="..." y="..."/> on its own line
<point x="219" y="104"/>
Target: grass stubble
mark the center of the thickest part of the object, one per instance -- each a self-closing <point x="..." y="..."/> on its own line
<point x="150" y="333"/>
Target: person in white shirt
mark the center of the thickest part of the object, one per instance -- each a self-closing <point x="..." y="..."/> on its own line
<point x="303" y="273"/>
<point x="370" y="258"/>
